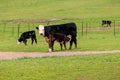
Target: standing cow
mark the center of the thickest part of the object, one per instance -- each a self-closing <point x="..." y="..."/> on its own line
<point x="66" y="29"/>
<point x="26" y="35"/>
<point x="106" y="22"/>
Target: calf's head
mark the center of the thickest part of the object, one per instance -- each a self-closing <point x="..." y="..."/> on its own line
<point x="19" y="41"/>
<point x="41" y="30"/>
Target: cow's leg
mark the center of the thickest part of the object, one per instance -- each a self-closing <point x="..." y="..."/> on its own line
<point x="32" y="41"/>
<point x="107" y="24"/>
<point x="73" y="39"/>
<point x="65" y="45"/>
<point x="61" y="45"/>
<point x="35" y="40"/>
<point x="110" y="25"/>
<point x="75" y="42"/>
<point x="51" y="44"/>
<point x="71" y="42"/>
<point x="25" y="42"/>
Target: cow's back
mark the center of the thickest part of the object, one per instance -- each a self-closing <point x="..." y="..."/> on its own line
<point x="67" y="29"/>
<point x="28" y="34"/>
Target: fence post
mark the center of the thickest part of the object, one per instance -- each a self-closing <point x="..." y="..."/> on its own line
<point x="114" y="28"/>
<point x="12" y="30"/>
<point x="86" y="27"/>
<point x="89" y="25"/>
<point x="4" y="27"/>
<point x="48" y="22"/>
<point x="18" y="29"/>
<point x="82" y="28"/>
<point x="28" y="26"/>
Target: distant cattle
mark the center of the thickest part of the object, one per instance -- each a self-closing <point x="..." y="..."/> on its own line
<point x="65" y="29"/>
<point x="106" y="22"/>
<point x="27" y="35"/>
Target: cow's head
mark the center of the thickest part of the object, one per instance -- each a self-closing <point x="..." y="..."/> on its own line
<point x="41" y="30"/>
<point x="19" y="41"/>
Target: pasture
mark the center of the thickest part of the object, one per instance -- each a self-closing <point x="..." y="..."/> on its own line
<point x="87" y="67"/>
<point x="94" y="37"/>
<point x="55" y="9"/>
<point x="45" y="9"/>
<point x="87" y="14"/>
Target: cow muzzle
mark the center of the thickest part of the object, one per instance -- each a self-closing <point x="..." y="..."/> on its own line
<point x="18" y="42"/>
<point x="41" y="34"/>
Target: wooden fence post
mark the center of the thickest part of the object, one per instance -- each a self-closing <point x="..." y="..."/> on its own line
<point x="82" y="28"/>
<point x="18" y="29"/>
<point x="114" y="28"/>
<point x="12" y="30"/>
<point x="28" y="26"/>
<point x="86" y="27"/>
<point x="4" y="27"/>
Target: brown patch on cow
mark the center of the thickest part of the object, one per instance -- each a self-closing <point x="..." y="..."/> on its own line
<point x="47" y="39"/>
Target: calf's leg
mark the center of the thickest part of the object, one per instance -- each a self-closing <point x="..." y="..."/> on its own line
<point x="61" y="45"/>
<point x="35" y="40"/>
<point x="32" y="41"/>
<point x="25" y="42"/>
<point x="65" y="45"/>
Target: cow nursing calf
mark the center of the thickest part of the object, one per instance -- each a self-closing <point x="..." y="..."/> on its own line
<point x="26" y="35"/>
<point x="59" y="33"/>
<point x="59" y="37"/>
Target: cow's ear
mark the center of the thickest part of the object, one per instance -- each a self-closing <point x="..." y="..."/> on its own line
<point x="37" y="28"/>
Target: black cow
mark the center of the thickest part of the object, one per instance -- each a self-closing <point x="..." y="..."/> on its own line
<point x="26" y="35"/>
<point x="107" y="22"/>
<point x="66" y="29"/>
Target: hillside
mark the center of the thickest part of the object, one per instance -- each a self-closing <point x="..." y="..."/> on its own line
<point x="47" y="9"/>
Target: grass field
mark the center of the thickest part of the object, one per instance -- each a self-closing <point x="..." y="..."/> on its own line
<point x="46" y="9"/>
<point x="94" y="10"/>
<point x="94" y="40"/>
<point x="87" y="67"/>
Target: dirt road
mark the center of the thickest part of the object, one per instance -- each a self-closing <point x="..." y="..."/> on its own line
<point x="15" y="55"/>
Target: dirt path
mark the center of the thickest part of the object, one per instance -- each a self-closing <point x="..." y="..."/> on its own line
<point x="15" y="55"/>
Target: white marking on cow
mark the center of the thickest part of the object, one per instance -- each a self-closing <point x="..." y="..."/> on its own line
<point x="50" y="50"/>
<point x="41" y="30"/>
<point x="18" y="42"/>
<point x="69" y="36"/>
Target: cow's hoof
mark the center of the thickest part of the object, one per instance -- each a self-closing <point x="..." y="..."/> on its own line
<point x="50" y="50"/>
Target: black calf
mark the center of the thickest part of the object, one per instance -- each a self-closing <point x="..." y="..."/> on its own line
<point x="26" y="35"/>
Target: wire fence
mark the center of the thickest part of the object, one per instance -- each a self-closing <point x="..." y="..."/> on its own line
<point x="83" y="27"/>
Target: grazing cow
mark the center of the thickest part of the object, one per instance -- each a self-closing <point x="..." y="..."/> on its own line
<point x="26" y="35"/>
<point x="59" y="37"/>
<point x="107" y="22"/>
<point x="66" y="29"/>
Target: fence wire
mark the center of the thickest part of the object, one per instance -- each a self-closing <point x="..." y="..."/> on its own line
<point x="83" y="27"/>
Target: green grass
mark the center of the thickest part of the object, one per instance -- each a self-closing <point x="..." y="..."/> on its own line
<point x="87" y="11"/>
<point x="87" y="67"/>
<point x="95" y="40"/>
<point x="46" y="9"/>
